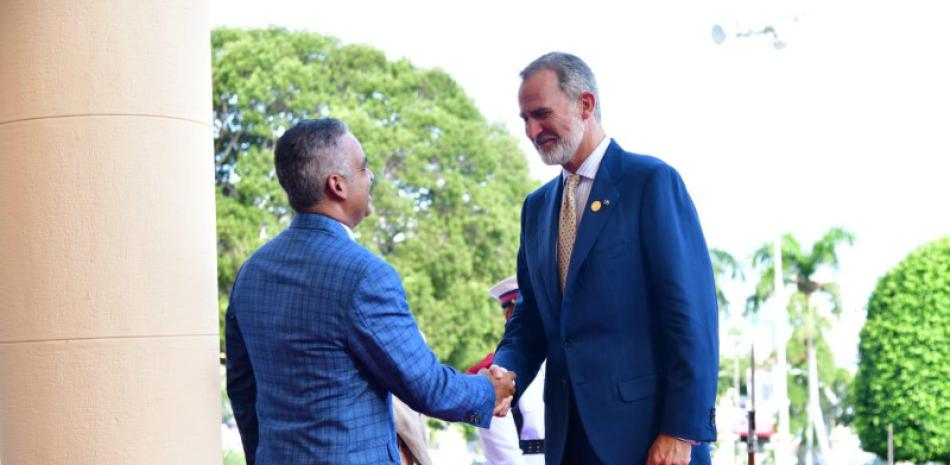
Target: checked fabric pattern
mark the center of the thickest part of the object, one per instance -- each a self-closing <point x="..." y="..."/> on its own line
<point x="318" y="335"/>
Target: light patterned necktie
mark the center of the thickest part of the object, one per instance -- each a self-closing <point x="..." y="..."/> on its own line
<point x="567" y="228"/>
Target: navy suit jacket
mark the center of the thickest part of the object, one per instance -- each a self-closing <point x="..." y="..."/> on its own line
<point x="634" y="335"/>
<point x="318" y="336"/>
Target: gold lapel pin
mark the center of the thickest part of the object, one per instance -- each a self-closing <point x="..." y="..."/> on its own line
<point x="595" y="206"/>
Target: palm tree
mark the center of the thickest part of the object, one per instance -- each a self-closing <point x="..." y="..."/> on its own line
<point x="799" y="267"/>
<point x="724" y="265"/>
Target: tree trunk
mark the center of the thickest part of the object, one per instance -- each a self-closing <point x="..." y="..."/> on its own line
<point x="783" y="451"/>
<point x="816" y="422"/>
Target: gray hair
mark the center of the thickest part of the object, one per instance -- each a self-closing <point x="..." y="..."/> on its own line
<point x="306" y="156"/>
<point x="573" y="75"/>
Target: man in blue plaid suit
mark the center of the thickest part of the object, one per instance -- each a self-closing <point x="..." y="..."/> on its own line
<point x="319" y="334"/>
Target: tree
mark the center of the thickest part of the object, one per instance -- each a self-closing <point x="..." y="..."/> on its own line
<point x="725" y="266"/>
<point x="834" y="381"/>
<point x="799" y="267"/>
<point x="450" y="185"/>
<point x="904" y="370"/>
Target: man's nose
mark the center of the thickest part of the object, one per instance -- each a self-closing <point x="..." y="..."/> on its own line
<point x="532" y="129"/>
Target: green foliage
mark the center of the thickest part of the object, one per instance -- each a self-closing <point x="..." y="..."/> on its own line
<point x="798" y="268"/>
<point x="904" y="373"/>
<point x="468" y="432"/>
<point x="231" y="457"/>
<point x="834" y="399"/>
<point x="724" y="265"/>
<point x="727" y="375"/>
<point x="450" y="185"/>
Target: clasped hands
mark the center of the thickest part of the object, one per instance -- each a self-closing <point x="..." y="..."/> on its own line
<point x="666" y="450"/>
<point x="504" y="383"/>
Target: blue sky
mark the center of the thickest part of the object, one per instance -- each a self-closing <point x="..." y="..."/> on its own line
<point x="847" y="125"/>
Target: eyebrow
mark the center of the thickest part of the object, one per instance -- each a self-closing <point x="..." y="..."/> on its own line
<point x="540" y="111"/>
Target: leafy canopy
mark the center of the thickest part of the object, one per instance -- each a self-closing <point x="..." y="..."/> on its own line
<point x="904" y="373"/>
<point x="799" y="266"/>
<point x="450" y="187"/>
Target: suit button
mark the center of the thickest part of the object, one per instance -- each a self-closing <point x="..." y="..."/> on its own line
<point x="568" y="342"/>
<point x="564" y="381"/>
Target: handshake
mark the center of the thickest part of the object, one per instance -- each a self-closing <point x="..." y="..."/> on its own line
<point x="504" y="383"/>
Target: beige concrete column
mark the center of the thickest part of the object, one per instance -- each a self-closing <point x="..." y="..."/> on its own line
<point x="108" y="332"/>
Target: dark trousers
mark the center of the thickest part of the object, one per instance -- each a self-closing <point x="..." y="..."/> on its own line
<point x="577" y="449"/>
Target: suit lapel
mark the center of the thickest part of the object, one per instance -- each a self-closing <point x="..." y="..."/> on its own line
<point x="604" y="191"/>
<point x="547" y="244"/>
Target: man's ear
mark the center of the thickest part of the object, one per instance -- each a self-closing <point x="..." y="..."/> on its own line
<point x="336" y="187"/>
<point x="588" y="104"/>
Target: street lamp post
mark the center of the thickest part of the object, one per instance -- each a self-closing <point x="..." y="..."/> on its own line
<point x="782" y="438"/>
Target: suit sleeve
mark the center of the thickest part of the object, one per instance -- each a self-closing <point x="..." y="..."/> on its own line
<point x="523" y="348"/>
<point x="680" y="276"/>
<point x="385" y="340"/>
<point x="242" y="389"/>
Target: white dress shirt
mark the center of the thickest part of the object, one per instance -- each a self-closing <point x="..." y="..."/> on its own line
<point x="587" y="172"/>
<point x="349" y="232"/>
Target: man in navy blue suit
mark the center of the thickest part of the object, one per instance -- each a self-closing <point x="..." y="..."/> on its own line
<point x="617" y="289"/>
<point x="319" y="335"/>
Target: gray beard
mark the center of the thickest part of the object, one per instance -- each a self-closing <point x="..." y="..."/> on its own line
<point x="565" y="148"/>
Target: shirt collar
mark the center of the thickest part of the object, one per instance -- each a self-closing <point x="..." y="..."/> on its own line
<point x="319" y="221"/>
<point x="349" y="232"/>
<point x="588" y="169"/>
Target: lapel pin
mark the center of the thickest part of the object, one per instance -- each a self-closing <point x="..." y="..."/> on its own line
<point x="595" y="206"/>
<point x="606" y="202"/>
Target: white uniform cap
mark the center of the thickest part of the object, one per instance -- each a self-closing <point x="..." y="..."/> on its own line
<point x="505" y="289"/>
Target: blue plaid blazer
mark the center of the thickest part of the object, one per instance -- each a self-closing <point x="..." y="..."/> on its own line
<point x="318" y="337"/>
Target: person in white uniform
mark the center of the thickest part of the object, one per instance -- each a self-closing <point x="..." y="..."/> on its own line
<point x="518" y="438"/>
